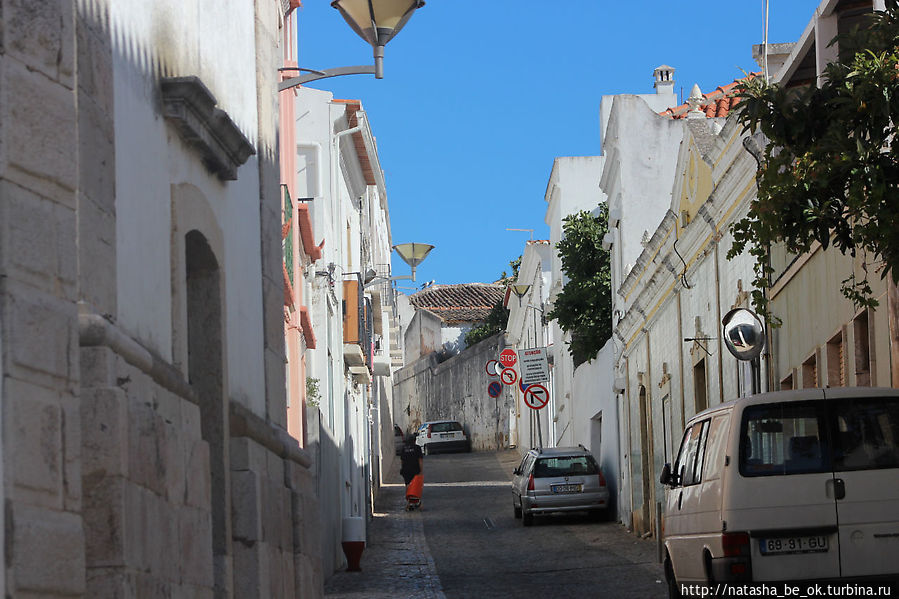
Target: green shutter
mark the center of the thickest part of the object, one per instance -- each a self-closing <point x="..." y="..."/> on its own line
<point x="287" y="242"/>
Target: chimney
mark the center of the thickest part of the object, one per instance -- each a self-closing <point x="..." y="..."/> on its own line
<point x="664" y="79"/>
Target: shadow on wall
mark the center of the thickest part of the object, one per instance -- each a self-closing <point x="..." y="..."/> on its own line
<point x="326" y="470"/>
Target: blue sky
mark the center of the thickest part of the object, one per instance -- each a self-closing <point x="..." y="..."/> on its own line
<point x="480" y="96"/>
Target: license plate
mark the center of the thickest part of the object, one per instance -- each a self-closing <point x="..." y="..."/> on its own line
<point x="446" y="435"/>
<point x="566" y="488"/>
<point x="793" y="545"/>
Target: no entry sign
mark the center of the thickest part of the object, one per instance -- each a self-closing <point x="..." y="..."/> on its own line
<point x="508" y="357"/>
<point x="494" y="389"/>
<point x="509" y="376"/>
<point x="536" y="396"/>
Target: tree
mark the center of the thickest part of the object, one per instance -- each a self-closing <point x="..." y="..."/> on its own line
<point x="498" y="317"/>
<point x="584" y="306"/>
<point x="830" y="172"/>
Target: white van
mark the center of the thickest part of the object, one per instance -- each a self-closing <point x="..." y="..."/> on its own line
<point x="789" y="486"/>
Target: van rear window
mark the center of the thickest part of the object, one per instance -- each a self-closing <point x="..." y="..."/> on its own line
<point x="867" y="434"/>
<point x="779" y="439"/>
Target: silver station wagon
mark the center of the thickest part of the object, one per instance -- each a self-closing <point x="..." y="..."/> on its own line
<point x="558" y="479"/>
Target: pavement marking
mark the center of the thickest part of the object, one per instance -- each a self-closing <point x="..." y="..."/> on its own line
<point x="472" y="483"/>
<point x="489" y="524"/>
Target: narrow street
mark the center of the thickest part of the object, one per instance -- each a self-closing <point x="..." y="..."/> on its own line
<point x="465" y="543"/>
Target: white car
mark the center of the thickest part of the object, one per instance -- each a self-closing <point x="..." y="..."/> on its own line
<point x="791" y="486"/>
<point x="442" y="436"/>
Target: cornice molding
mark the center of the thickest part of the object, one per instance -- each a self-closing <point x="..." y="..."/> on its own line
<point x="191" y="108"/>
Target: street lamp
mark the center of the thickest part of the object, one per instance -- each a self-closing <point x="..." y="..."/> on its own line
<point x="412" y="254"/>
<point x="377" y="22"/>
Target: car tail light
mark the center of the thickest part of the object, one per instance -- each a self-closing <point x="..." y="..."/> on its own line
<point x="531" y="482"/>
<point x="429" y="431"/>
<point x="602" y="479"/>
<point x="735" y="544"/>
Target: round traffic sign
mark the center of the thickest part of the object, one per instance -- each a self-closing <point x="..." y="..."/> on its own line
<point x="508" y="357"/>
<point x="494" y="389"/>
<point x="492" y="368"/>
<point x="522" y="386"/>
<point x="509" y="376"/>
<point x="536" y="397"/>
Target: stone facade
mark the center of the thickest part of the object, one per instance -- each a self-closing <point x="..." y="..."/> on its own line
<point x="141" y="319"/>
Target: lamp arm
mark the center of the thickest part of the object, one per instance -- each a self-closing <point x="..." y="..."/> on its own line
<point x="316" y="75"/>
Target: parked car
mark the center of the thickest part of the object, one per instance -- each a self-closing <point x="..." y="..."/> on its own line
<point x="779" y="486"/>
<point x="558" y="479"/>
<point x="442" y="436"/>
<point x="398" y="439"/>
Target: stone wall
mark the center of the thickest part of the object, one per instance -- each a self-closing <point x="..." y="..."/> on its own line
<point x="455" y="390"/>
<point x="132" y="468"/>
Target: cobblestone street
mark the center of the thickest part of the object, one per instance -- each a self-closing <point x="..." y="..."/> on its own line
<point x="465" y="543"/>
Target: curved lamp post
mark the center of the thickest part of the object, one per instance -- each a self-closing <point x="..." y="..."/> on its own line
<point x="377" y="22"/>
<point x="412" y="254"/>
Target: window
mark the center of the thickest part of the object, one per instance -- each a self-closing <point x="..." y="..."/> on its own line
<point x="689" y="461"/>
<point x="836" y="370"/>
<point x="716" y="447"/>
<point x="700" y="397"/>
<point x="445" y="427"/>
<point x="810" y="371"/>
<point x="573" y="465"/>
<point x="786" y="383"/>
<point x="779" y="439"/>
<point x="862" y="350"/>
<point x="867" y="434"/>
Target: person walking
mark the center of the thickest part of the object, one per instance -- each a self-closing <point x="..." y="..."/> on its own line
<point x="412" y="469"/>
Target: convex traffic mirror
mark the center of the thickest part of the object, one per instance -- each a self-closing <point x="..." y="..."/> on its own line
<point x="744" y="334"/>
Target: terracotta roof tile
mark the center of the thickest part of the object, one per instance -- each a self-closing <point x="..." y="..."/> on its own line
<point x="718" y="103"/>
<point x="466" y="302"/>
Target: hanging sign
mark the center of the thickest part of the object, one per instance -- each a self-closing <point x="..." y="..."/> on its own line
<point x="534" y="365"/>
<point x="494" y="388"/>
<point x="509" y="376"/>
<point x="536" y="397"/>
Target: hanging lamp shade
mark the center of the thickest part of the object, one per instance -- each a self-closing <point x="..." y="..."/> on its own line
<point x="377" y="21"/>
<point x="413" y="253"/>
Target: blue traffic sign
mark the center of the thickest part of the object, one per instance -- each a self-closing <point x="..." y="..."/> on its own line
<point x="494" y="388"/>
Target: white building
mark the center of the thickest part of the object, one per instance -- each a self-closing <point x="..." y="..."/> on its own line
<point x="351" y="306"/>
<point x="573" y="186"/>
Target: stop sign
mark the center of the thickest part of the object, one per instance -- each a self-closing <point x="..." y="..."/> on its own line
<point x="507" y="358"/>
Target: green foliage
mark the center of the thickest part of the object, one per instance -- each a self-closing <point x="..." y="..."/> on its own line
<point x="498" y="318"/>
<point x="313" y="397"/>
<point x="584" y="306"/>
<point x="830" y="171"/>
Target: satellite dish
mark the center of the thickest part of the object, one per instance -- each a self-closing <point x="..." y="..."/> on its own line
<point x="744" y="334"/>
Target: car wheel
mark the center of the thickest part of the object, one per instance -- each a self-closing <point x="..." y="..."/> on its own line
<point x="598" y="515"/>
<point x="527" y="519"/>
<point x="517" y="510"/>
<point x="673" y="587"/>
<point x="427" y="449"/>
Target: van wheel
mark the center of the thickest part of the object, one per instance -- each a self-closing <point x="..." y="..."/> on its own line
<point x="527" y="519"/>
<point x="673" y="587"/>
<point x="707" y="562"/>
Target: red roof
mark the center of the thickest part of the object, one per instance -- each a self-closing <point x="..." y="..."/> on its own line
<point x="717" y="103"/>
<point x="467" y="302"/>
